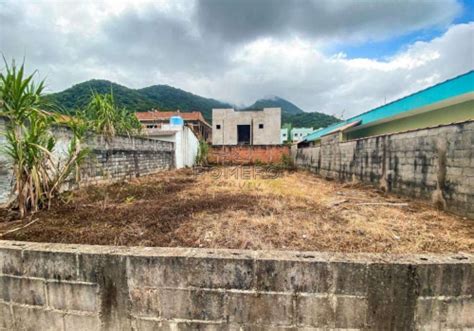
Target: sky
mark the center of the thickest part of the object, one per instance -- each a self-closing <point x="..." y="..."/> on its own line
<point x="337" y="57"/>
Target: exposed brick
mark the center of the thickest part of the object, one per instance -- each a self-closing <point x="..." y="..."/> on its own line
<point x="238" y="155"/>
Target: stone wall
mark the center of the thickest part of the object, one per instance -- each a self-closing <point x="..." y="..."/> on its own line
<point x="242" y="154"/>
<point x="435" y="163"/>
<point x="76" y="287"/>
<point x="119" y="158"/>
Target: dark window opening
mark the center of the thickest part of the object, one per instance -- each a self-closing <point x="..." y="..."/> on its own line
<point x="260" y="126"/>
<point x="218" y="126"/>
<point x="243" y="134"/>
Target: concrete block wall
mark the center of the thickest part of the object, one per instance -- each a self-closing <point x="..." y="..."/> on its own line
<point x="108" y="160"/>
<point x="416" y="163"/>
<point x="75" y="287"/>
<point x="240" y="155"/>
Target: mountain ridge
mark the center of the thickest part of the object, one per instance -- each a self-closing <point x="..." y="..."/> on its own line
<point x="165" y="97"/>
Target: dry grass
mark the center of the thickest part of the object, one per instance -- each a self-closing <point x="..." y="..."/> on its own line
<point x="297" y="211"/>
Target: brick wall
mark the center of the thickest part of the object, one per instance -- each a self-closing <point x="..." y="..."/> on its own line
<point x="112" y="160"/>
<point x="435" y="163"/>
<point x="75" y="287"/>
<point x="235" y="155"/>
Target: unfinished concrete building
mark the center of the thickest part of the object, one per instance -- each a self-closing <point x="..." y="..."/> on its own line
<point x="246" y="127"/>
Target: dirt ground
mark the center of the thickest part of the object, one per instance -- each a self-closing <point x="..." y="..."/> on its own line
<point x="244" y="208"/>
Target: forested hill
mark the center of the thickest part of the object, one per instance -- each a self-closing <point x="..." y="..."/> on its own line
<point x="292" y="114"/>
<point x="286" y="106"/>
<point x="164" y="97"/>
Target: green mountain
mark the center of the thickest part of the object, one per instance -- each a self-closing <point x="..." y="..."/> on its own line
<point x="292" y="114"/>
<point x="77" y="96"/>
<point x="165" y="97"/>
<point x="286" y="106"/>
<point x="313" y="120"/>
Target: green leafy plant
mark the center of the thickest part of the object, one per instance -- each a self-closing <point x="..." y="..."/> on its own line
<point x="106" y="118"/>
<point x="203" y="152"/>
<point x="38" y="174"/>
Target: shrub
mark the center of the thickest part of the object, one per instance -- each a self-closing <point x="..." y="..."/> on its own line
<point x="203" y="152"/>
<point x="106" y="118"/>
<point x="29" y="142"/>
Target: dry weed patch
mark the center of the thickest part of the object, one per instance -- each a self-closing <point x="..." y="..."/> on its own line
<point x="296" y="211"/>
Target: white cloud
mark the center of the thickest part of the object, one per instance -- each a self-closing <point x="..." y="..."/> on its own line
<point x="201" y="47"/>
<point x="332" y="84"/>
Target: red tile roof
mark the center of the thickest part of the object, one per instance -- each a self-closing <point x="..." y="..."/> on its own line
<point x="166" y="115"/>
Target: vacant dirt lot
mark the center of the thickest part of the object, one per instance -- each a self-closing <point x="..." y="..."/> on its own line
<point x="244" y="208"/>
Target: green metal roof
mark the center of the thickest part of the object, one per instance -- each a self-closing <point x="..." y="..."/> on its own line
<point x="450" y="88"/>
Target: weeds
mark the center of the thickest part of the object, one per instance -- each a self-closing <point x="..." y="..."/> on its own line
<point x="203" y="152"/>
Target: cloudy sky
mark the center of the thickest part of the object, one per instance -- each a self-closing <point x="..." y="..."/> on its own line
<point x="337" y="57"/>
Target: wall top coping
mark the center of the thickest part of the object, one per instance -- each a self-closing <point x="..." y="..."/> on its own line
<point x="360" y="258"/>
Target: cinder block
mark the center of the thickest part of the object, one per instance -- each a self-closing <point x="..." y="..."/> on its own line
<point x="293" y="276"/>
<point x="145" y="302"/>
<point x="460" y="313"/>
<point x="32" y="319"/>
<point x="259" y="308"/>
<point x="73" y="296"/>
<point x="254" y="327"/>
<point x="50" y="265"/>
<point x="81" y="323"/>
<point x="191" y="304"/>
<point x="430" y="314"/>
<point x="392" y="291"/>
<point x="152" y="325"/>
<point x="351" y="312"/>
<point x="314" y="311"/>
<point x="445" y="279"/>
<point x="349" y="278"/>
<point x="10" y="261"/>
<point x="225" y="273"/>
<point x="22" y="290"/>
<point x="6" y="318"/>
<point x="157" y="271"/>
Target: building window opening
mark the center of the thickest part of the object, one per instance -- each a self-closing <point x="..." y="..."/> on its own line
<point x="218" y="126"/>
<point x="260" y="126"/>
